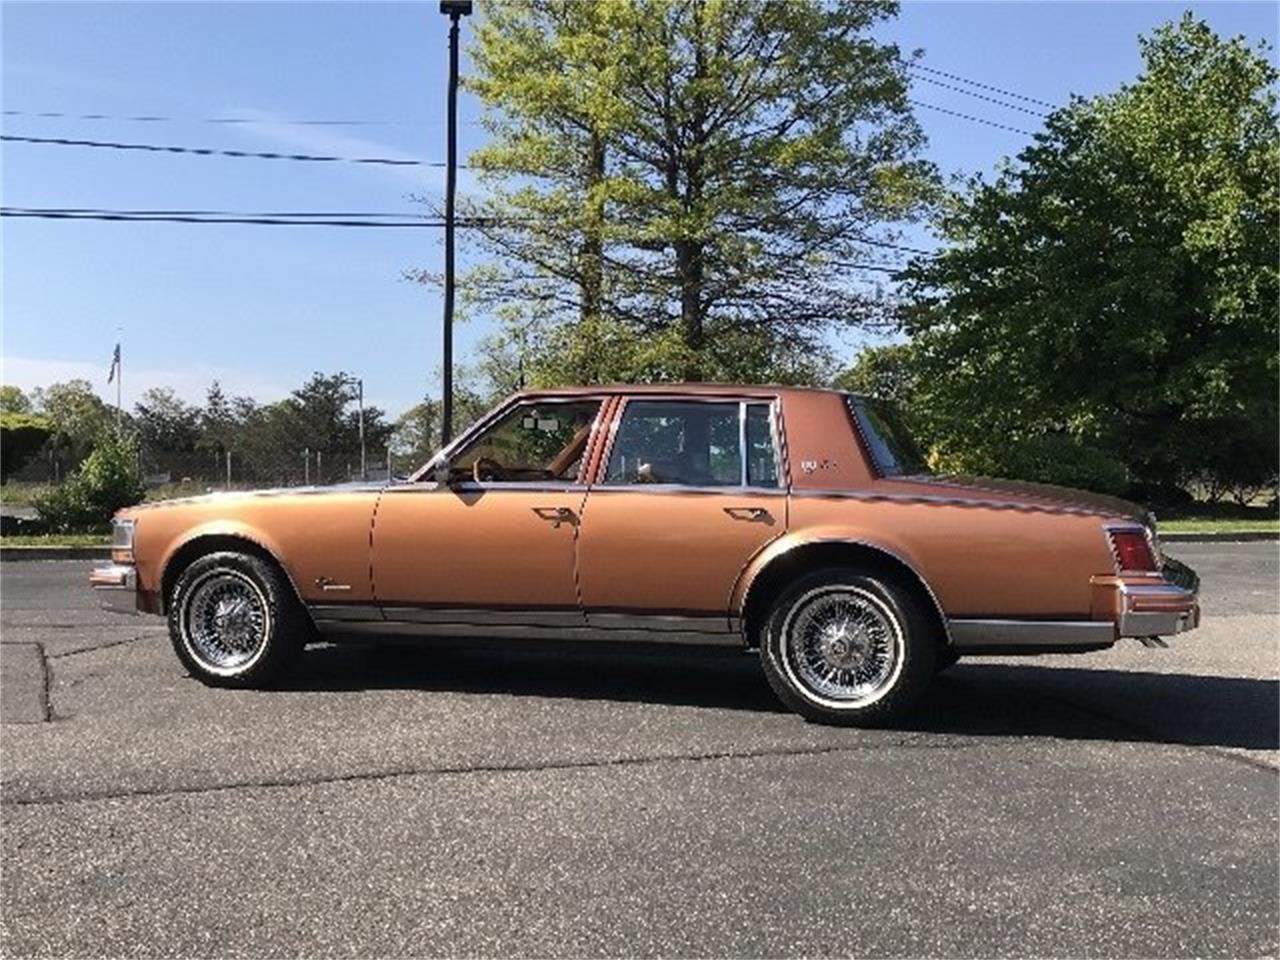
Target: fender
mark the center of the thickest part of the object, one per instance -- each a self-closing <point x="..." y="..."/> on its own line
<point x="829" y="534"/>
<point x="220" y="528"/>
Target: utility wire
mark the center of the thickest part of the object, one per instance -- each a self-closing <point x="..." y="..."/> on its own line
<point x="211" y="152"/>
<point x="273" y="220"/>
<point x="983" y="96"/>
<point x="970" y="117"/>
<point x="281" y="218"/>
<point x="154" y="118"/>
<point x="982" y="86"/>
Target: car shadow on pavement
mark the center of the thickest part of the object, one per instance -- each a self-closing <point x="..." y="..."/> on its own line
<point x="971" y="699"/>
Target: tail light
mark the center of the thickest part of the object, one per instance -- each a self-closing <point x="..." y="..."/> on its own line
<point x="1132" y="550"/>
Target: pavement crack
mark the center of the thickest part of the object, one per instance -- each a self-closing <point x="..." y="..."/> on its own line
<point x="101" y="646"/>
<point x="372" y="776"/>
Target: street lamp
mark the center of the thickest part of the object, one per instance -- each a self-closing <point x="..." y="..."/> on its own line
<point x="453" y="9"/>
<point x="364" y="473"/>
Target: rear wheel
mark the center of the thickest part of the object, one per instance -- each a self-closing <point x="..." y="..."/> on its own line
<point x="849" y="648"/>
<point x="234" y="620"/>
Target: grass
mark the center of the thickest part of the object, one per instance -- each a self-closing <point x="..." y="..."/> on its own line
<point x="1219" y="525"/>
<point x="55" y="540"/>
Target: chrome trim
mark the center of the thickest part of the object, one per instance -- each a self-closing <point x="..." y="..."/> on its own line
<point x="660" y="623"/>
<point x="1150" y="623"/>
<point x="483" y="617"/>
<point x="731" y="489"/>
<point x="117" y="587"/>
<point x="966" y="634"/>
<point x="746" y="597"/>
<point x="470" y="486"/>
<point x="771" y="402"/>
<point x="389" y="628"/>
<point x="345" y="611"/>
<point x="873" y="495"/>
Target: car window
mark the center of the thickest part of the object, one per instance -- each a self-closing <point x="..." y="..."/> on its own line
<point x="532" y="442"/>
<point x="762" y="455"/>
<point x="890" y="444"/>
<point x="685" y="442"/>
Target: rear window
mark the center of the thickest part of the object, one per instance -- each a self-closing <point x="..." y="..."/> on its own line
<point x="887" y="439"/>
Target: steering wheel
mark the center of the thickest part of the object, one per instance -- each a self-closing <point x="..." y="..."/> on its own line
<point x="485" y="468"/>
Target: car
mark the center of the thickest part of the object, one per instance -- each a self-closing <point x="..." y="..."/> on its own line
<point x="796" y="523"/>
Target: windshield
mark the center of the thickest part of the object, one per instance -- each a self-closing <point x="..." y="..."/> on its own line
<point x="887" y="439"/>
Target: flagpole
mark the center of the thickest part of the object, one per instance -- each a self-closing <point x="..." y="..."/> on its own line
<point x="119" y="386"/>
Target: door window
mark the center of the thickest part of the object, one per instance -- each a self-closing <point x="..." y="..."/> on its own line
<point x="692" y="443"/>
<point x="533" y="442"/>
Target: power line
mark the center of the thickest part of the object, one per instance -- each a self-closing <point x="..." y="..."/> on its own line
<point x="223" y="217"/>
<point x="287" y="220"/>
<point x="983" y="96"/>
<point x="982" y="86"/>
<point x="970" y="117"/>
<point x="153" y="118"/>
<point x="212" y="152"/>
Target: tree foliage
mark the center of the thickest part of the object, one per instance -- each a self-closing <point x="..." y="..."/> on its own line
<point x="1113" y="293"/>
<point x="684" y="189"/>
<point x="21" y="437"/>
<point x="109" y="478"/>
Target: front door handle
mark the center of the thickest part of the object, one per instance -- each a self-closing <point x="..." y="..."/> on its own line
<point x="752" y="514"/>
<point x="557" y="515"/>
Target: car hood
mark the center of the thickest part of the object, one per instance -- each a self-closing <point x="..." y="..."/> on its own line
<point x="233" y="496"/>
<point x="1022" y="493"/>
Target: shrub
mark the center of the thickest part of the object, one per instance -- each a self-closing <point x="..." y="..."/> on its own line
<point x="21" y="437"/>
<point x="1054" y="458"/>
<point x="108" y="479"/>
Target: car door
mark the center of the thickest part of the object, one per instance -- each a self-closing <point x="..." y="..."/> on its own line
<point x="493" y="547"/>
<point x="690" y="490"/>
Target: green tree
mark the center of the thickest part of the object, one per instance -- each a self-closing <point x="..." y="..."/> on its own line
<point x="108" y="479"/>
<point x="22" y="435"/>
<point x="13" y="400"/>
<point x="165" y="422"/>
<point x="686" y="189"/>
<point x="1112" y="294"/>
<point x="77" y="416"/>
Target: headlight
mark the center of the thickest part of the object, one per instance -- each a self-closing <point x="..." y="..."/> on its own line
<point x="122" y="539"/>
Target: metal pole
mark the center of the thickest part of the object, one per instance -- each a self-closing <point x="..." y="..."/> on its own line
<point x="364" y="473"/>
<point x="119" y="385"/>
<point x="306" y="465"/>
<point x="451" y="183"/>
<point x="228" y="469"/>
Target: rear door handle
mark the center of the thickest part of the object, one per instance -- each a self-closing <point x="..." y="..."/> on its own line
<point x="557" y="515"/>
<point x="752" y="514"/>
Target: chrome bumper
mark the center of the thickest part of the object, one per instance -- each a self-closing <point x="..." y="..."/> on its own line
<point x="116" y="587"/>
<point x="1160" y="605"/>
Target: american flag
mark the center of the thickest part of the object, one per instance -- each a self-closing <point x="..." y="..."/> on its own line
<point x="115" y="364"/>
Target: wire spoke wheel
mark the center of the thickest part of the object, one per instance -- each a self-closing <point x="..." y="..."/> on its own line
<point x="225" y="621"/>
<point x="843" y="645"/>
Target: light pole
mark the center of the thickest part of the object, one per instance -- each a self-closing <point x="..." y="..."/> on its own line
<point x="364" y="472"/>
<point x="453" y="9"/>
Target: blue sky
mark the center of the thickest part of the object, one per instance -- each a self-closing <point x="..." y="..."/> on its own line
<point x="261" y="307"/>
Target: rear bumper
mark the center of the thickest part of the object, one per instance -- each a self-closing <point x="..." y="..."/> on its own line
<point x="117" y="587"/>
<point x="1154" y="605"/>
<point x="1157" y="605"/>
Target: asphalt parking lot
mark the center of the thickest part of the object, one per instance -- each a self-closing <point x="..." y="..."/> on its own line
<point x="499" y="802"/>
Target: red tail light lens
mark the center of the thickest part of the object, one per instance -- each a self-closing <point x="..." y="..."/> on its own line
<point x="1132" y="550"/>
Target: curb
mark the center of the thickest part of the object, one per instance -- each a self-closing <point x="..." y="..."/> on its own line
<point x="1249" y="536"/>
<point x="19" y="554"/>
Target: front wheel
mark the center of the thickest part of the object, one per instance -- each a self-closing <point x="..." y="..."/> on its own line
<point x="234" y="620"/>
<point x="848" y="648"/>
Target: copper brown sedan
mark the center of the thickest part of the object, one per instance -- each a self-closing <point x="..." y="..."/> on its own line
<point x="796" y="523"/>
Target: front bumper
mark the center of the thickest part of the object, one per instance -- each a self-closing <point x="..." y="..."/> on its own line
<point x="117" y="587"/>
<point x="1150" y="606"/>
